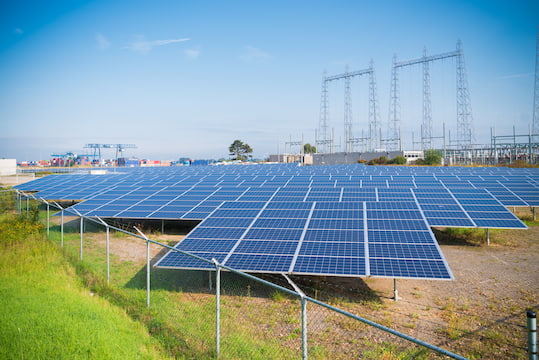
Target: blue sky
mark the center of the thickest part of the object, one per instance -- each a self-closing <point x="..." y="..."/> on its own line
<point x="187" y="78"/>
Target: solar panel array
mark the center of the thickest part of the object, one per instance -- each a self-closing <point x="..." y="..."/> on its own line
<point x="316" y="238"/>
<point x="331" y="220"/>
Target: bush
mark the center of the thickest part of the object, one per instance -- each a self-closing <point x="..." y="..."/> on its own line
<point x="433" y="157"/>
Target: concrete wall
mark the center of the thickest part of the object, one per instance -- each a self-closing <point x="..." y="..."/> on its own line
<point x="8" y="167"/>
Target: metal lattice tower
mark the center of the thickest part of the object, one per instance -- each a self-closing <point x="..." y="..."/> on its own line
<point x="465" y="132"/>
<point x="393" y="129"/>
<point x="374" y="123"/>
<point x="535" y="130"/>
<point x="426" y="128"/>
<point x="349" y="138"/>
<point x="348" y="130"/>
<point x="323" y="140"/>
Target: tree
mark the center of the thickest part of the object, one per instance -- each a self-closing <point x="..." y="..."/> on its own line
<point x="398" y="160"/>
<point x="240" y="151"/>
<point x="309" y="149"/>
<point x="432" y="157"/>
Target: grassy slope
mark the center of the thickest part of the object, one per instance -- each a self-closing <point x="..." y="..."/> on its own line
<point x="47" y="313"/>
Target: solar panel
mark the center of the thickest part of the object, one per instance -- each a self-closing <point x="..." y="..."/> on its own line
<point x="340" y="246"/>
<point x="343" y="220"/>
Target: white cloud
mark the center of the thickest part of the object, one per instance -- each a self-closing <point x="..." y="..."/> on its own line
<point x="192" y="53"/>
<point x="18" y="31"/>
<point x="143" y="46"/>
<point x="102" y="42"/>
<point x="252" y="54"/>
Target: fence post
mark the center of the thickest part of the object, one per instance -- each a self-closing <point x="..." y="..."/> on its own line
<point x="217" y="309"/>
<point x="108" y="255"/>
<point x="107" y="246"/>
<point x="532" y="334"/>
<point x="304" y="328"/>
<point x="48" y="219"/>
<point x="62" y="229"/>
<point x="81" y="232"/>
<point x="147" y="266"/>
<point x="19" y="207"/>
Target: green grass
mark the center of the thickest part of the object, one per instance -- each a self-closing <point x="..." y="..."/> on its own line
<point x="48" y="313"/>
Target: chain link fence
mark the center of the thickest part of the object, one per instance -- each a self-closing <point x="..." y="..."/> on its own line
<point x="227" y="314"/>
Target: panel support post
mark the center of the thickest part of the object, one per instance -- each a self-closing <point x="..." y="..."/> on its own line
<point x="81" y="232"/>
<point x="162" y="226"/>
<point x="532" y="334"/>
<point x="217" y="309"/>
<point x="487" y="234"/>
<point x="395" y="290"/>
<point x="304" y="328"/>
<point x="534" y="214"/>
<point x="209" y="281"/>
<point x="18" y="203"/>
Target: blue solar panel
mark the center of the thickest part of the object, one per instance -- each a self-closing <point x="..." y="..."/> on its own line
<point x="297" y="218"/>
<point x="333" y="235"/>
<point x="406" y="268"/>
<point x="260" y="263"/>
<point x="325" y="265"/>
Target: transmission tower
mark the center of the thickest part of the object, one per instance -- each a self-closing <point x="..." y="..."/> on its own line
<point x="348" y="132"/>
<point x="393" y="129"/>
<point x="426" y="127"/>
<point x="465" y="133"/>
<point x="322" y="138"/>
<point x="535" y="130"/>
<point x="374" y="123"/>
<point x="350" y="140"/>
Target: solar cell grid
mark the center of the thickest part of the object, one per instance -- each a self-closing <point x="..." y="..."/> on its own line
<point x="273" y="234"/>
<point x="323" y="235"/>
<point x="280" y="223"/>
<point x="160" y="192"/>
<point x="404" y="251"/>
<point x="266" y="247"/>
<point x="325" y="265"/>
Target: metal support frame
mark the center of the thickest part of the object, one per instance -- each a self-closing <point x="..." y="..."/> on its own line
<point x="487" y="235"/>
<point x="395" y="290"/>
